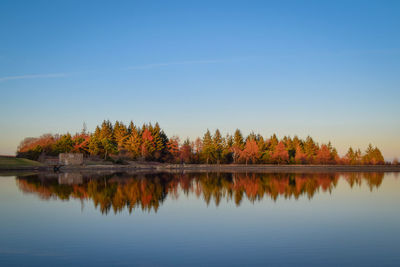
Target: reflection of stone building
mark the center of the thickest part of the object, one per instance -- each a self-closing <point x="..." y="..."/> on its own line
<point x="70" y="178"/>
<point x="71" y="158"/>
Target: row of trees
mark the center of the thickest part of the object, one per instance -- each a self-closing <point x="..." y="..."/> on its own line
<point x="150" y="143"/>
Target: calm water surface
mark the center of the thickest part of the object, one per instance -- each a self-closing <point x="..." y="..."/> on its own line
<point x="329" y="219"/>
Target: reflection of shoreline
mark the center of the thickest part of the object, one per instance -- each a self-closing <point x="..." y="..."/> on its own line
<point x="164" y="167"/>
<point x="148" y="191"/>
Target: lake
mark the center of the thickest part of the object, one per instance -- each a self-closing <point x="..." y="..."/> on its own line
<point x="200" y="219"/>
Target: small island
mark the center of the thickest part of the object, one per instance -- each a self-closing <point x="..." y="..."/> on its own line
<point x="132" y="148"/>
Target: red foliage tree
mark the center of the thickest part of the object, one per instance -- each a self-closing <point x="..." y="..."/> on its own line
<point x="250" y="151"/>
<point x="186" y="152"/>
<point x="300" y="157"/>
<point x="148" y="145"/>
<point x="280" y="155"/>
<point x="173" y="148"/>
<point x="81" y="143"/>
<point x="324" y="155"/>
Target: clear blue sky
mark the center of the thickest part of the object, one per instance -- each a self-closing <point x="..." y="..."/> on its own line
<point x="330" y="69"/>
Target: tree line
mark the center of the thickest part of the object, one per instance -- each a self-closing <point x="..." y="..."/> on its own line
<point x="150" y="143"/>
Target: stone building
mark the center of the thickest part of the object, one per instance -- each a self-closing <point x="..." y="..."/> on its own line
<point x="71" y="158"/>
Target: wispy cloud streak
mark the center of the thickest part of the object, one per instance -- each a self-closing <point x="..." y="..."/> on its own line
<point x="32" y="76"/>
<point x="137" y="67"/>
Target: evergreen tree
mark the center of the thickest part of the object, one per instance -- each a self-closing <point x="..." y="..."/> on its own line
<point x="290" y="147"/>
<point x="350" y="156"/>
<point x="238" y="145"/>
<point x="106" y="130"/>
<point x="227" y="149"/>
<point x="109" y="147"/>
<point x="95" y="142"/>
<point x="353" y="157"/>
<point x="207" y="146"/>
<point x="64" y="145"/>
<point x="107" y="140"/>
<point x="238" y="139"/>
<point x="272" y="143"/>
<point x="358" y="156"/>
<point x="262" y="148"/>
<point x="217" y="146"/>
<point x="372" y="156"/>
<point x="378" y="157"/>
<point x="160" y="141"/>
<point x="310" y="149"/>
<point x="120" y="133"/>
<point x="134" y="141"/>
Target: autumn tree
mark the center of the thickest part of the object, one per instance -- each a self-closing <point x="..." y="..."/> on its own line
<point x="197" y="149"/>
<point x="32" y="148"/>
<point x="324" y="155"/>
<point x="173" y="148"/>
<point x="353" y="157"/>
<point x="373" y="156"/>
<point x="300" y="157"/>
<point x="148" y="145"/>
<point x="186" y="151"/>
<point x="280" y="155"/>
<point x="81" y="143"/>
<point x="250" y="151"/>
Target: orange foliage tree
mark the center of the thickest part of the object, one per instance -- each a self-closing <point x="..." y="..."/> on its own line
<point x="280" y="154"/>
<point x="250" y="151"/>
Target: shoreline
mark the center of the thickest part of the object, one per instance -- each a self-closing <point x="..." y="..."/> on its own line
<point x="160" y="167"/>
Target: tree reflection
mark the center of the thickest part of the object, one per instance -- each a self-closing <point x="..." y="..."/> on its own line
<point x="148" y="191"/>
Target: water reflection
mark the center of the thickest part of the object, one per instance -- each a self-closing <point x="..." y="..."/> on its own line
<point x="148" y="191"/>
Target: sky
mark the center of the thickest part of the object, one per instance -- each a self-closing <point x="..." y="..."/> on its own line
<point x="329" y="69"/>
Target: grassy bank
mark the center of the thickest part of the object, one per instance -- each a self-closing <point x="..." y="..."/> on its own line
<point x="9" y="163"/>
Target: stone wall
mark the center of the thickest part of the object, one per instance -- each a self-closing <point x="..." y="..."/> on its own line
<point x="71" y="158"/>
